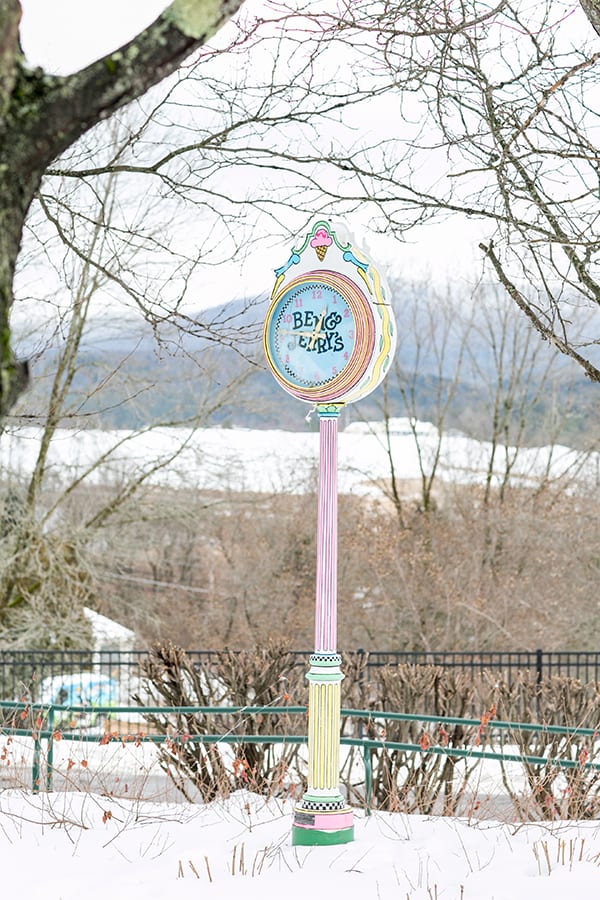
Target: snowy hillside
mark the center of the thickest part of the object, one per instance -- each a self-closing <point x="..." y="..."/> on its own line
<point x="273" y="461"/>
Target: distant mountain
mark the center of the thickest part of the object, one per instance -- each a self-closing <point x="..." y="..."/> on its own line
<point x="209" y="367"/>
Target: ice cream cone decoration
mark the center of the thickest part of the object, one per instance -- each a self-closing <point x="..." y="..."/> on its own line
<point x="321" y="243"/>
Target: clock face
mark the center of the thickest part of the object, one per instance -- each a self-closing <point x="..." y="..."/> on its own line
<point x="313" y="334"/>
<point x="317" y="336"/>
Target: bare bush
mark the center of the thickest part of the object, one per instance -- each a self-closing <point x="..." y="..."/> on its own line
<point x="421" y="782"/>
<point x="236" y="570"/>
<point x="552" y="791"/>
<point x="262" y="677"/>
<point x="403" y="779"/>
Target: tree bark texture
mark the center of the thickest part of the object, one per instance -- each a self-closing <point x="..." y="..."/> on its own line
<point x="592" y="10"/>
<point x="41" y="115"/>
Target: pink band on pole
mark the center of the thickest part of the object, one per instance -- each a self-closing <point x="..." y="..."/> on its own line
<point x="330" y="821"/>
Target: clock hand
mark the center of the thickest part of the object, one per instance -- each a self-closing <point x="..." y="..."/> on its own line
<point x="300" y="333"/>
<point x="315" y="333"/>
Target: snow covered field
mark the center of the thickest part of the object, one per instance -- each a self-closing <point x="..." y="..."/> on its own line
<point x="68" y="846"/>
<point x="268" y="461"/>
<point x="98" y="839"/>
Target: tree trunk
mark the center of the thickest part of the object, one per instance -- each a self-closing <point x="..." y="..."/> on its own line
<point x="13" y="209"/>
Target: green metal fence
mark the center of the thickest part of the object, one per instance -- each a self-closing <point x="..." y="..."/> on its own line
<point x="46" y="733"/>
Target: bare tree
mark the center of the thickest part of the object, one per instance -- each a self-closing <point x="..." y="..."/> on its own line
<point x="42" y="115"/>
<point x="466" y="572"/>
<point x="50" y="533"/>
<point x="517" y="379"/>
<point x="592" y="10"/>
<point x="437" y="332"/>
<point x="500" y="99"/>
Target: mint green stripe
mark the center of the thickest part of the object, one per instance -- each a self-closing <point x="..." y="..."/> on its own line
<point x="312" y="837"/>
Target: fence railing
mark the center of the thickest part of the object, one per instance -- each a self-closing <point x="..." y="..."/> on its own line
<point x="46" y="715"/>
<point x="24" y="672"/>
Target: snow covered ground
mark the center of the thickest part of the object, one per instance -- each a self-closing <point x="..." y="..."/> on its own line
<point x="268" y="461"/>
<point x="68" y="846"/>
<point x="98" y="839"/>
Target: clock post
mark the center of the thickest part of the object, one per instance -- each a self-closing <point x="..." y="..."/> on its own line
<point x="323" y="816"/>
<point x="329" y="337"/>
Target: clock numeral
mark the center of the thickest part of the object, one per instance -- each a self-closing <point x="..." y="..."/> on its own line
<point x="287" y="318"/>
<point x="298" y="302"/>
<point x="346" y="355"/>
<point x="346" y="313"/>
<point x="317" y="294"/>
<point x="334" y="370"/>
<point x="351" y="334"/>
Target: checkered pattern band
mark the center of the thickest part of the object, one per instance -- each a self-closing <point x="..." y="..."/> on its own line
<point x="328" y="659"/>
<point x="322" y="806"/>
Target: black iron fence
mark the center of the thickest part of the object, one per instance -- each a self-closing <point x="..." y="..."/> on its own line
<point x="584" y="665"/>
<point x="40" y="675"/>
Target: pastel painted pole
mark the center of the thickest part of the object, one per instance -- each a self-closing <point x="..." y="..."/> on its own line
<point x="327" y="532"/>
<point x="323" y="816"/>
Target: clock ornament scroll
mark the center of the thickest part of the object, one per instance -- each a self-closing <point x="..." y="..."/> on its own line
<point x="329" y="339"/>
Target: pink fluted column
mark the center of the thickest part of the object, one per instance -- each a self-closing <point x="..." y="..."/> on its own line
<point x="323" y="815"/>
<point x="327" y="534"/>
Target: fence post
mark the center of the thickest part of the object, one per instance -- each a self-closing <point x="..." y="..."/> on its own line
<point x="538" y="665"/>
<point x="50" y="760"/>
<point x="35" y="766"/>
<point x="368" y="778"/>
<point x="360" y="653"/>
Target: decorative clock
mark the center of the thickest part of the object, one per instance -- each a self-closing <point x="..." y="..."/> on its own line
<point x="329" y="338"/>
<point x="329" y="333"/>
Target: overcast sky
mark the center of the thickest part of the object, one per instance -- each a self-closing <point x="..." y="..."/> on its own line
<point x="63" y="36"/>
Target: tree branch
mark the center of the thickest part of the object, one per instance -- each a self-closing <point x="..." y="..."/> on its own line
<point x="547" y="333"/>
<point x="65" y="107"/>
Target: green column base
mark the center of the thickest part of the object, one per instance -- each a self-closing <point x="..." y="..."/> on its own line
<point x="312" y="837"/>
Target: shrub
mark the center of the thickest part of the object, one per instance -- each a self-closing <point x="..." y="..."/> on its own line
<point x="403" y="780"/>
